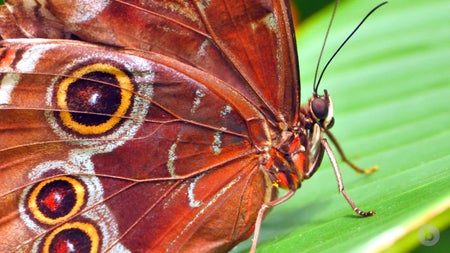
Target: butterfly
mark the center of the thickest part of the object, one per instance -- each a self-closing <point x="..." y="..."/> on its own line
<point x="151" y="126"/>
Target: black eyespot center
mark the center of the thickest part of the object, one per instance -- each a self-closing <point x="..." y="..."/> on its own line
<point x="56" y="199"/>
<point x="71" y="240"/>
<point x="87" y="95"/>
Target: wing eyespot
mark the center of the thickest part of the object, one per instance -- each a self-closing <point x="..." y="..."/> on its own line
<point x="94" y="99"/>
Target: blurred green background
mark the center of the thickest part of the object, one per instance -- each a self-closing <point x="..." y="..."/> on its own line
<point x="307" y="8"/>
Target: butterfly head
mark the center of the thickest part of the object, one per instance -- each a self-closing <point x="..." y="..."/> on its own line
<point x="321" y="109"/>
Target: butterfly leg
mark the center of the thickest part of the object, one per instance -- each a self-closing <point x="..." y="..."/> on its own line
<point x="346" y="160"/>
<point x="261" y="213"/>
<point x="337" y="172"/>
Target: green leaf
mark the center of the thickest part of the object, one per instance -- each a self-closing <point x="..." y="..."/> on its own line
<point x="391" y="90"/>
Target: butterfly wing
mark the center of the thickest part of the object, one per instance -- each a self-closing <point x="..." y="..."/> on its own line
<point x="247" y="44"/>
<point x="177" y="154"/>
<point x="170" y="173"/>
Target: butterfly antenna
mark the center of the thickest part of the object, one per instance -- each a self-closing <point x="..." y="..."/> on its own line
<point x="316" y="85"/>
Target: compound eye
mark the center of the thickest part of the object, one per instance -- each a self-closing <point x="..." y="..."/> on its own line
<point x="319" y="108"/>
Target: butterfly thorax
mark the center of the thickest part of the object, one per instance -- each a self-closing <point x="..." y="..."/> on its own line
<point x="297" y="152"/>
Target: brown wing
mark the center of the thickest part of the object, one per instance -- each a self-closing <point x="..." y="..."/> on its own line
<point x="176" y="163"/>
<point x="247" y="44"/>
<point x="189" y="107"/>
